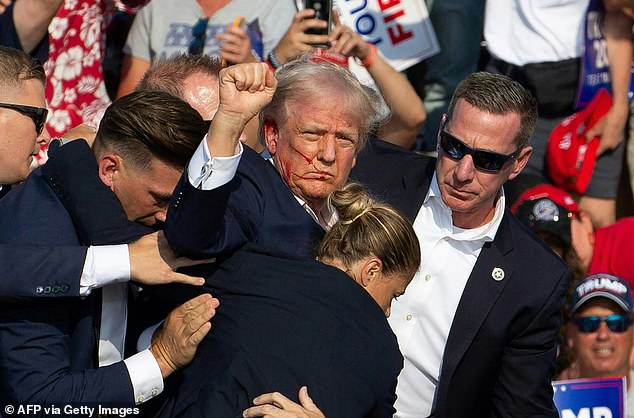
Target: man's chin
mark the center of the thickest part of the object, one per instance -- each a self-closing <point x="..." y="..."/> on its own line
<point x="150" y="222"/>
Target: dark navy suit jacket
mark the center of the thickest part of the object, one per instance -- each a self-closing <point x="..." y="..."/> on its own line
<point x="48" y="346"/>
<point x="283" y="322"/>
<point x="255" y="206"/>
<point x="499" y="357"/>
<point x="33" y="269"/>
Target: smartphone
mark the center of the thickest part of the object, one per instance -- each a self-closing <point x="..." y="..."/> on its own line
<point x="323" y="11"/>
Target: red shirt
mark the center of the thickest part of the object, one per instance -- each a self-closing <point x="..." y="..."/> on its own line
<point x="614" y="250"/>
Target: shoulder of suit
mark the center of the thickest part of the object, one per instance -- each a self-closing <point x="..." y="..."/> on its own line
<point x="534" y="250"/>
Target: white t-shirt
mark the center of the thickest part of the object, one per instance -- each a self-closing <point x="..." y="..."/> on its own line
<point x="529" y="31"/>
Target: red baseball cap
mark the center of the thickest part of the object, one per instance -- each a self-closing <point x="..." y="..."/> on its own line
<point x="570" y="156"/>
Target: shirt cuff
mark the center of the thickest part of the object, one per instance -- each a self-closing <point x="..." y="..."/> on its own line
<point x="208" y="173"/>
<point x="104" y="265"/>
<point x="145" y="376"/>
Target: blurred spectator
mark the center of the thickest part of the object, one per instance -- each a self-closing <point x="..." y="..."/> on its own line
<point x="194" y="78"/>
<point x="24" y="25"/>
<point x="165" y="27"/>
<point x="600" y="330"/>
<point x="458" y="28"/>
<point x="75" y="90"/>
<point x="541" y="45"/>
<point x="547" y="209"/>
<point x="407" y="109"/>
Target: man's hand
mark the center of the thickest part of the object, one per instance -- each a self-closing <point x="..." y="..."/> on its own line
<point x="82" y="131"/>
<point x="347" y="42"/>
<point x="277" y="405"/>
<point x="175" y="344"/>
<point x="610" y="128"/>
<point x="152" y="261"/>
<point x="244" y="90"/>
<point x="235" y="46"/>
<point x="296" y="41"/>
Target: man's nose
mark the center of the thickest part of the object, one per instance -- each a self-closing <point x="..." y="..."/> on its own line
<point x="603" y="332"/>
<point x="327" y="149"/>
<point x="465" y="170"/>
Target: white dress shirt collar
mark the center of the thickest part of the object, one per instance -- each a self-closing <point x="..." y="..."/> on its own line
<point x="485" y="232"/>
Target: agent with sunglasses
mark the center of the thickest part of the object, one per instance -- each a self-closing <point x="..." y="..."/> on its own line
<point x="478" y="325"/>
<point x="600" y="330"/>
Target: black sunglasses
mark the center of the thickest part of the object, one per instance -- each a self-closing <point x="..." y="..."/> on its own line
<point x="37" y="114"/>
<point x="482" y="159"/>
<point x="615" y="323"/>
<point x="199" y="36"/>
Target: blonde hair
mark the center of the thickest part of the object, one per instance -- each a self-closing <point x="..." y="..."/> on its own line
<point x="367" y="227"/>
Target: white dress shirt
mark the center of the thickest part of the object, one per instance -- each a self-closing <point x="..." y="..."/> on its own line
<point x="108" y="267"/>
<point x="422" y="317"/>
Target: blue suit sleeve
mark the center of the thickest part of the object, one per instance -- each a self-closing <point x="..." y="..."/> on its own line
<point x="51" y="271"/>
<point x="207" y="223"/>
<point x="36" y="348"/>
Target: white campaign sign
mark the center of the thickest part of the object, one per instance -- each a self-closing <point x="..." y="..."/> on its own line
<point x="400" y="29"/>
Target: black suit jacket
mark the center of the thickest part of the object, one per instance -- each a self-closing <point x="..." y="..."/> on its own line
<point x="283" y="322"/>
<point x="255" y="206"/>
<point x="499" y="357"/>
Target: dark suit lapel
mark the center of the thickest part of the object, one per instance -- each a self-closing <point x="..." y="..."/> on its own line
<point x="410" y="196"/>
<point x="479" y="296"/>
<point x="4" y="191"/>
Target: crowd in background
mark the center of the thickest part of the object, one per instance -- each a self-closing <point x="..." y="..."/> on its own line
<point x="506" y="102"/>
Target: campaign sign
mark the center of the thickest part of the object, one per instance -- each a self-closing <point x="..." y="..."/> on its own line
<point x="590" y="398"/>
<point x="595" y="69"/>
<point x="400" y="29"/>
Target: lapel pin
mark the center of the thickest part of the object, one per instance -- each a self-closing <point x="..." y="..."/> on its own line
<point x="497" y="274"/>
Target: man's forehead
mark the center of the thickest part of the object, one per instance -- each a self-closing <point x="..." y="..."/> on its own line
<point x="22" y="91"/>
<point x="600" y="302"/>
<point x="308" y="116"/>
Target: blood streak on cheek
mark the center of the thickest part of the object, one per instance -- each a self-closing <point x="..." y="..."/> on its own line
<point x="308" y="160"/>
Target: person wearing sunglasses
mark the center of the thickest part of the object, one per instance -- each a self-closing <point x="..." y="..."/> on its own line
<point x="600" y="331"/>
<point x="22" y="112"/>
<point x="489" y="295"/>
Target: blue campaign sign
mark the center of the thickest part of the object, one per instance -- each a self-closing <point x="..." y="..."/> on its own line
<point x="590" y="398"/>
<point x="595" y="70"/>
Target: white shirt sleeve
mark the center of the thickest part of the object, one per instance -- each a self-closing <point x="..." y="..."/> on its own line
<point x="208" y="173"/>
<point x="145" y="376"/>
<point x="104" y="265"/>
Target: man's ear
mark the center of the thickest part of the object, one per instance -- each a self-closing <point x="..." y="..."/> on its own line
<point x="371" y="271"/>
<point x="109" y="166"/>
<point x="521" y="161"/>
<point x="271" y="134"/>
